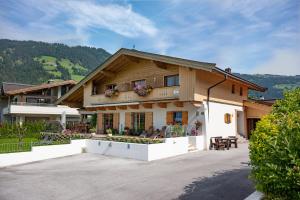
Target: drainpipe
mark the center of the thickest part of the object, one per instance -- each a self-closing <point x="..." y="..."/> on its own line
<point x="211" y="87"/>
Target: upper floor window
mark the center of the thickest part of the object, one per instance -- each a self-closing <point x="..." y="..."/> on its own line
<point x="233" y="89"/>
<point x="138" y="83"/>
<point x="241" y="91"/>
<point x="111" y="86"/>
<point x="172" y="80"/>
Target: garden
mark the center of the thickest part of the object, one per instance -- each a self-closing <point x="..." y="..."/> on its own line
<point x="275" y="150"/>
<point x="17" y="138"/>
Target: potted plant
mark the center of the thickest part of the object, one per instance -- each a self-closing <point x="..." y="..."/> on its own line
<point x="143" y="90"/>
<point x="111" y="92"/>
<point x="109" y="132"/>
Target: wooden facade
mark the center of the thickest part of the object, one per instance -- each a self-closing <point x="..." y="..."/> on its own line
<point x="128" y="66"/>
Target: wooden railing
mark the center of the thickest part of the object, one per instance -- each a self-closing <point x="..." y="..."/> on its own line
<point x="131" y="96"/>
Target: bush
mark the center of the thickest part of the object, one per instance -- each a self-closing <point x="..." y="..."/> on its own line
<point x="275" y="150"/>
<point x="27" y="130"/>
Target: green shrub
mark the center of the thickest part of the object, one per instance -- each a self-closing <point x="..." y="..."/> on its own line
<point x="275" y="150"/>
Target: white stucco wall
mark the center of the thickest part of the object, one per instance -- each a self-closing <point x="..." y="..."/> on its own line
<point x="215" y="125"/>
<point x="197" y="142"/>
<point x="146" y="152"/>
<point x="42" y="153"/>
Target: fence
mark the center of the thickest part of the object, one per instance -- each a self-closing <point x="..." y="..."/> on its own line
<point x="27" y="146"/>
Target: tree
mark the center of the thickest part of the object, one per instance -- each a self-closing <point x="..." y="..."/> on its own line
<point x="275" y="150"/>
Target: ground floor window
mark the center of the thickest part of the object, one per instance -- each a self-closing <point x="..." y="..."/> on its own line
<point x="108" y="120"/>
<point x="138" y="121"/>
<point x="177" y="117"/>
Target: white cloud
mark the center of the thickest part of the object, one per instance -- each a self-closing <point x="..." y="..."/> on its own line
<point x="57" y="21"/>
<point x="284" y="61"/>
<point x="120" y="19"/>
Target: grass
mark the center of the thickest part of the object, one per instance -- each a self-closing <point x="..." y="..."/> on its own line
<point x="12" y="145"/>
<point x="16" y="140"/>
<point x="49" y="64"/>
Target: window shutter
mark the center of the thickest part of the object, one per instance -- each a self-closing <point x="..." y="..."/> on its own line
<point x="148" y="120"/>
<point x="169" y="118"/>
<point x="128" y="119"/>
<point x="100" y="122"/>
<point x="185" y="118"/>
<point x="159" y="81"/>
<point x="116" y="120"/>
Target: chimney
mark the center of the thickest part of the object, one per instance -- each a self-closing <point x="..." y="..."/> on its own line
<point x="228" y="70"/>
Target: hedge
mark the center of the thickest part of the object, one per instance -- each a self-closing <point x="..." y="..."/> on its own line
<point x="275" y="150"/>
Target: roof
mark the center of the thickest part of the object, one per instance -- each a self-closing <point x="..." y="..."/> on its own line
<point x="40" y="87"/>
<point x="6" y="87"/>
<point x="160" y="58"/>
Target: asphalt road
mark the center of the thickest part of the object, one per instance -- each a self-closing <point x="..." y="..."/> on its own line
<point x="199" y="175"/>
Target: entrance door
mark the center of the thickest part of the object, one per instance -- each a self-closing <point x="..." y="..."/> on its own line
<point x="251" y="125"/>
<point x="108" y="121"/>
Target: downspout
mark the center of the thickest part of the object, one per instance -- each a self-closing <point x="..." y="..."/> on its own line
<point x="211" y="87"/>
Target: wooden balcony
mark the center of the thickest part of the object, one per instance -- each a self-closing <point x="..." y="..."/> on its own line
<point x="163" y="93"/>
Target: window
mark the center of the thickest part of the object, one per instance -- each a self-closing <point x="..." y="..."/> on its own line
<point x="172" y="80"/>
<point x="227" y="118"/>
<point x="138" y="121"/>
<point x="108" y="120"/>
<point x="111" y="86"/>
<point x="138" y="83"/>
<point x="233" y="89"/>
<point x="177" y="117"/>
<point x="94" y="88"/>
<point x="241" y="91"/>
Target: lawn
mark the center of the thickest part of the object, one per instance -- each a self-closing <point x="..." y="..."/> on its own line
<point x="10" y="145"/>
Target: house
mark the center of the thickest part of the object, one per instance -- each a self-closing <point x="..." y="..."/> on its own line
<point x="141" y="91"/>
<point x="21" y="102"/>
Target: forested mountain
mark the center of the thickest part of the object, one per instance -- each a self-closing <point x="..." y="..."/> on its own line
<point x="276" y="84"/>
<point x="36" y="62"/>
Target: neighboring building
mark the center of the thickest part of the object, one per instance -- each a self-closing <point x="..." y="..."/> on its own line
<point x="21" y="102"/>
<point x="184" y="91"/>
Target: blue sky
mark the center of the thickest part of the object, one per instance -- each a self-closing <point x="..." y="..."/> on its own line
<point x="248" y="36"/>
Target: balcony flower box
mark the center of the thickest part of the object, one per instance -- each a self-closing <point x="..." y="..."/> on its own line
<point x="111" y="92"/>
<point x="143" y="90"/>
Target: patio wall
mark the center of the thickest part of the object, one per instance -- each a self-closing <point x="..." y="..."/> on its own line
<point x="146" y="152"/>
<point x="42" y="153"/>
<point x="198" y="142"/>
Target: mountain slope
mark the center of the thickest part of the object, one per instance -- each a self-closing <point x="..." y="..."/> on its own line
<point x="276" y="84"/>
<point x="36" y="62"/>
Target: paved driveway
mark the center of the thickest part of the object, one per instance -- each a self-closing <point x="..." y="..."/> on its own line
<point x="199" y="175"/>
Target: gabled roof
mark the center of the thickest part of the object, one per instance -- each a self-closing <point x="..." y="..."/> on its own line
<point x="160" y="58"/>
<point x="40" y="87"/>
<point x="6" y="87"/>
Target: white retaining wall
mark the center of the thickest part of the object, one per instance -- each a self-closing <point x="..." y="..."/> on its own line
<point x="42" y="153"/>
<point x="146" y="152"/>
<point x="197" y="141"/>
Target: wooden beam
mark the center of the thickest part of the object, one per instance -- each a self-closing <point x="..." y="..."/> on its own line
<point x="133" y="59"/>
<point x="122" y="107"/>
<point x="147" y="105"/>
<point x="160" y="64"/>
<point x="108" y="73"/>
<point x="100" y="108"/>
<point x="162" y="105"/>
<point x="111" y="108"/>
<point x="178" y="103"/>
<point x="133" y="106"/>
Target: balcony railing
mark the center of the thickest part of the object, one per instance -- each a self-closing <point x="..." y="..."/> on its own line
<point x="32" y="104"/>
<point x="130" y="96"/>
